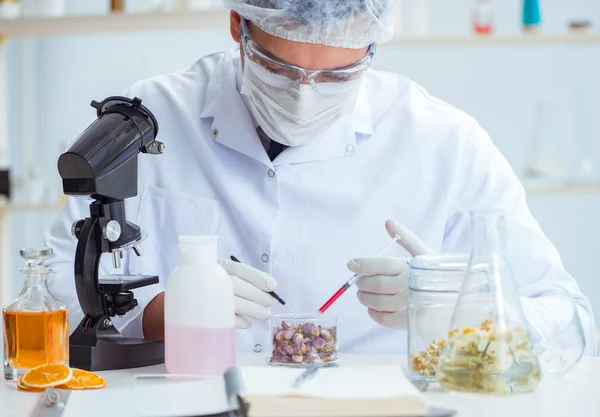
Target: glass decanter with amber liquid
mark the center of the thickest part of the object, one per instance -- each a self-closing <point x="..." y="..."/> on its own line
<point x="35" y="324"/>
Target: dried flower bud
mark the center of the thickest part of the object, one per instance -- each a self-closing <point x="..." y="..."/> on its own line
<point x="326" y="335"/>
<point x="307" y="328"/>
<point x="303" y="343"/>
<point x="319" y="342"/>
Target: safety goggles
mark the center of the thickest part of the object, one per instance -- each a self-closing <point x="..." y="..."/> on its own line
<point x="292" y="76"/>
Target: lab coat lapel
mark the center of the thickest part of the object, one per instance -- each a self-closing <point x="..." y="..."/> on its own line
<point x="232" y="125"/>
<point x="338" y="141"/>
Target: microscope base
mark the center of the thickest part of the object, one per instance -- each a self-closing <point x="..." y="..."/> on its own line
<point x="119" y="353"/>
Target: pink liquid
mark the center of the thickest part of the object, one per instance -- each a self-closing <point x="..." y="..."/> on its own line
<point x="199" y="350"/>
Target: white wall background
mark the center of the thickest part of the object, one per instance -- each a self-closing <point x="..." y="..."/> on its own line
<point x="500" y="85"/>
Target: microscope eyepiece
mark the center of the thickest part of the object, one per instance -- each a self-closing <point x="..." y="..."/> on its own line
<point x="102" y="161"/>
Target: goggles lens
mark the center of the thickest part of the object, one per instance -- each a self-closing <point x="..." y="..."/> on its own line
<point x="289" y="76"/>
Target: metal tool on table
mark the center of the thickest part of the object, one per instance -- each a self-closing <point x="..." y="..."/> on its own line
<point x="307" y="375"/>
<point x="103" y="163"/>
<point x="52" y="403"/>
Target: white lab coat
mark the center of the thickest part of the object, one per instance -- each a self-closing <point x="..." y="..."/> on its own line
<point x="403" y="154"/>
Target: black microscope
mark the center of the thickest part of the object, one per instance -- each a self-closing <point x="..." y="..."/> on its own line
<point x="103" y="163"/>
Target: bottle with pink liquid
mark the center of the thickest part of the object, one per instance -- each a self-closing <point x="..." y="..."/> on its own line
<point x="483" y="18"/>
<point x="199" y="311"/>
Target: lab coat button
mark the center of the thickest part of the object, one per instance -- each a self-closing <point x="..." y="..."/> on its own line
<point x="215" y="133"/>
<point x="349" y="148"/>
<point x="258" y="348"/>
<point x="264" y="257"/>
<point x="271" y="173"/>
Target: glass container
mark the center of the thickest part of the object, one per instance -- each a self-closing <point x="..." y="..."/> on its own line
<point x="10" y="9"/>
<point x="117" y="6"/>
<point x="489" y="348"/>
<point x="483" y="18"/>
<point x="300" y="342"/>
<point x="42" y="8"/>
<point x="35" y="324"/>
<point x="434" y="283"/>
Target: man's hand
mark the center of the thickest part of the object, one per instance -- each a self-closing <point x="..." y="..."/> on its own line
<point x="384" y="280"/>
<point x="251" y="288"/>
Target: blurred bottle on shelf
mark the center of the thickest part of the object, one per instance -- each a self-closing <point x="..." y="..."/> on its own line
<point x="583" y="172"/>
<point x="36" y="184"/>
<point x="197" y="5"/>
<point x="10" y="9"/>
<point x="420" y="17"/>
<point x="398" y="17"/>
<point x="42" y="8"/>
<point x="117" y="6"/>
<point x="543" y="162"/>
<point x="4" y="186"/>
<point x="531" y="15"/>
<point x="580" y="25"/>
<point x="483" y="18"/>
<point x="148" y="6"/>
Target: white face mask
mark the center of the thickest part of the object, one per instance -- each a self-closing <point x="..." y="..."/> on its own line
<point x="294" y="116"/>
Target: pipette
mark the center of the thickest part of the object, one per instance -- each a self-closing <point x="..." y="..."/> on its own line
<point x="272" y="293"/>
<point x="352" y="280"/>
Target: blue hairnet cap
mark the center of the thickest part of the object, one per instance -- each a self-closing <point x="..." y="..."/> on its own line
<point x="342" y="23"/>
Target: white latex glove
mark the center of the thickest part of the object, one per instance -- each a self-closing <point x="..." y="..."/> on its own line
<point x="251" y="288"/>
<point x="384" y="280"/>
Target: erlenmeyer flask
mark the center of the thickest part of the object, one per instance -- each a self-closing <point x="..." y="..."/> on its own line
<point x="489" y="348"/>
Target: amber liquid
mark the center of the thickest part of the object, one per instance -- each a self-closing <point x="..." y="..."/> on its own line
<point x="36" y="338"/>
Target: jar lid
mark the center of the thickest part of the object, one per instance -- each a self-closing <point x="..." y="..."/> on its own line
<point x="442" y="272"/>
<point x="441" y="262"/>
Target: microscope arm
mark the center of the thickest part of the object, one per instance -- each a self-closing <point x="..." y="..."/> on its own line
<point x="87" y="261"/>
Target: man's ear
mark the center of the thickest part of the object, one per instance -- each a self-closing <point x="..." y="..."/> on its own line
<point x="235" y="21"/>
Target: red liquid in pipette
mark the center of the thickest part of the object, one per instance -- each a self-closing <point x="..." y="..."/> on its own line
<point x="352" y="280"/>
<point x="334" y="297"/>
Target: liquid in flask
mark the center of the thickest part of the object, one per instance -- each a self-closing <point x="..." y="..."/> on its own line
<point x="488" y="348"/>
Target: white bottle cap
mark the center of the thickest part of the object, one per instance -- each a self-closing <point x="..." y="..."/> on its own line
<point x="202" y="249"/>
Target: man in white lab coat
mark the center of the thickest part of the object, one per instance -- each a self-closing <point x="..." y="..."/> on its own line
<point x="296" y="154"/>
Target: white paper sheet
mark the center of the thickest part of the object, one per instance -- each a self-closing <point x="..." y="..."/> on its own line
<point x="335" y="383"/>
<point x="162" y="399"/>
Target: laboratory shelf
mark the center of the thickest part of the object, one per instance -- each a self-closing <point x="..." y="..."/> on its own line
<point x="114" y="22"/>
<point x="498" y="40"/>
<point x="29" y="208"/>
<point x="219" y="19"/>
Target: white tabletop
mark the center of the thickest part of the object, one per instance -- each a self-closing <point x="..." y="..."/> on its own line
<point x="576" y="394"/>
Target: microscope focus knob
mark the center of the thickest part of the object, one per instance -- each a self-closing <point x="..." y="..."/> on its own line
<point x="112" y="231"/>
<point x="76" y="228"/>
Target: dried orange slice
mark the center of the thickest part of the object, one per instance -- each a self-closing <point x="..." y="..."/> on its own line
<point x="25" y="388"/>
<point x="47" y="376"/>
<point x="84" y="380"/>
